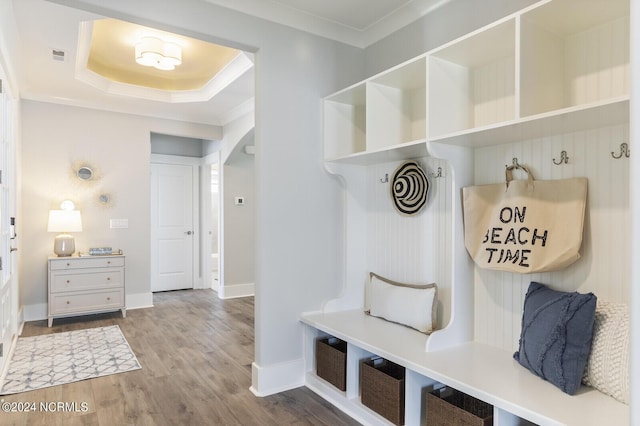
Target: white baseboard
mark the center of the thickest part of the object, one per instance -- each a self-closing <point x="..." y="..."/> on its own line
<point x="139" y="300"/>
<point x="276" y="378"/>
<point x="35" y="312"/>
<point x="21" y="321"/>
<point x="236" y="290"/>
<point x="5" y="367"/>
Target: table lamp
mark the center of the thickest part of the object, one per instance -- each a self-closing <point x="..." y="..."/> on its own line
<point x="64" y="221"/>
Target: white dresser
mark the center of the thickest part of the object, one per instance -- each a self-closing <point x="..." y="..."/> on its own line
<point x="86" y="285"/>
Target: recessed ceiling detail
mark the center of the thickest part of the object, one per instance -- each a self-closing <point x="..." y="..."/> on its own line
<point x="107" y="60"/>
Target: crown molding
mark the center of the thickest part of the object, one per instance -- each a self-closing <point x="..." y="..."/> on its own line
<point x="358" y="37"/>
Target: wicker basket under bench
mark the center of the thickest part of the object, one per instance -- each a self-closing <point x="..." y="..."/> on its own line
<point x="449" y="407"/>
<point x="514" y="392"/>
<point x="331" y="361"/>
<point x="382" y="388"/>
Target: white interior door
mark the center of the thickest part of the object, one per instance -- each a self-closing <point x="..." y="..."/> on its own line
<point x="7" y="276"/>
<point x="172" y="236"/>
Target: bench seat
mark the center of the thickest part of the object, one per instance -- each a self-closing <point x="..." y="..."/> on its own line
<point x="485" y="372"/>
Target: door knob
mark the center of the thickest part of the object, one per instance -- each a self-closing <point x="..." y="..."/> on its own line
<point x="188" y="232"/>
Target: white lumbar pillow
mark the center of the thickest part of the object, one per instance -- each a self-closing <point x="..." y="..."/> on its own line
<point x="410" y="305"/>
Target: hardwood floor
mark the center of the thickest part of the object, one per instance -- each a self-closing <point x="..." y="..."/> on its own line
<point x="196" y="353"/>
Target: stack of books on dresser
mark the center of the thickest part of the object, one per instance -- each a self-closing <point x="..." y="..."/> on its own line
<point x="100" y="251"/>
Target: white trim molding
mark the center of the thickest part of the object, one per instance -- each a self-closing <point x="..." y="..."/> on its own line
<point x="139" y="300"/>
<point x="234" y="291"/>
<point x="35" y="312"/>
<point x="345" y="31"/>
<point x="272" y="379"/>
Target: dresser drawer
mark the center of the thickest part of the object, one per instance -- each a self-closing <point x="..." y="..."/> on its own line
<point x="86" y="280"/>
<point x="86" y="262"/>
<point x="78" y="302"/>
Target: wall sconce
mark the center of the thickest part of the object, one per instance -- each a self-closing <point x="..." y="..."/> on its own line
<point x="65" y="220"/>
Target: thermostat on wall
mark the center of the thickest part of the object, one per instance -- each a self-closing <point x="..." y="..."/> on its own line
<point x="239" y="201"/>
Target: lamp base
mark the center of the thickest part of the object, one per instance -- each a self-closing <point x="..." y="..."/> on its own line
<point x="64" y="245"/>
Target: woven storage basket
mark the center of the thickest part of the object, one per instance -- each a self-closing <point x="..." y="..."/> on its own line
<point x="382" y="388"/>
<point x="331" y="361"/>
<point x="450" y="407"/>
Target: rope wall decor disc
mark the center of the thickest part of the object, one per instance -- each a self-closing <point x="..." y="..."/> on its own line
<point x="409" y="188"/>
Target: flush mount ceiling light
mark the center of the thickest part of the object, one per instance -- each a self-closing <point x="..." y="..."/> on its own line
<point x="153" y="52"/>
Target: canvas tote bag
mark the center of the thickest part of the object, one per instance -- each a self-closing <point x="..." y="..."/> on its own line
<point x="525" y="226"/>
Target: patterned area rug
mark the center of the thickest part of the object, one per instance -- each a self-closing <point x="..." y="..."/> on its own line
<point x="60" y="358"/>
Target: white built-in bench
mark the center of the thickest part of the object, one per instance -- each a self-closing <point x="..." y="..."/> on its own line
<point x="484" y="372"/>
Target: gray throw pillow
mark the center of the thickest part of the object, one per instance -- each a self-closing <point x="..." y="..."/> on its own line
<point x="557" y="329"/>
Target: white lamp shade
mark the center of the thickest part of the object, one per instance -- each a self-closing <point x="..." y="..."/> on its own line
<point x="64" y="221"/>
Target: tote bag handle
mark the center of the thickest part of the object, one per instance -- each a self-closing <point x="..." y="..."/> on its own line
<point x="508" y="174"/>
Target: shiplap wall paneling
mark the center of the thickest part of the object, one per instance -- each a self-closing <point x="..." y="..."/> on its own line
<point x="398" y="245"/>
<point x="410" y="249"/>
<point x="604" y="266"/>
<point x="441" y="197"/>
<point x="494" y="92"/>
<point x="351" y="255"/>
<point x="598" y="63"/>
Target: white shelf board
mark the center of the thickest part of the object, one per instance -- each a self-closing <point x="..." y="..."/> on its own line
<point x="354" y="95"/>
<point x="482" y="371"/>
<point x="577" y="118"/>
<point x="405" y="151"/>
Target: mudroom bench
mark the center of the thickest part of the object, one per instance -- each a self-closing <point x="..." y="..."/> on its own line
<point x="484" y="372"/>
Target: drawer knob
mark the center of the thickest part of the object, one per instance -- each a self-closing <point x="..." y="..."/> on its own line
<point x="108" y="278"/>
<point x="68" y="303"/>
<point x="108" y="298"/>
<point x="68" y="281"/>
<point x="68" y="264"/>
<point x="108" y="262"/>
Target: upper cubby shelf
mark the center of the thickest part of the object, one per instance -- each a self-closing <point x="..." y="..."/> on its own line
<point x="472" y="81"/>
<point x="584" y="117"/>
<point x="397" y="106"/>
<point x="559" y="65"/>
<point x="345" y="123"/>
<point x="414" y="149"/>
<point x="573" y="53"/>
<point x="381" y="119"/>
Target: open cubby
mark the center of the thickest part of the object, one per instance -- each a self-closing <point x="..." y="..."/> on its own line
<point x="345" y="123"/>
<point x="397" y="106"/>
<point x="572" y="62"/>
<point x="472" y="81"/>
